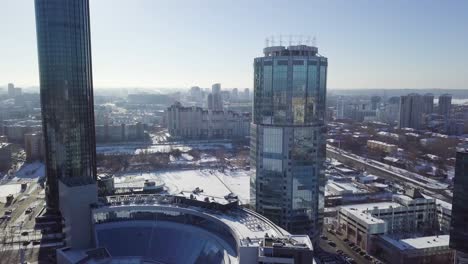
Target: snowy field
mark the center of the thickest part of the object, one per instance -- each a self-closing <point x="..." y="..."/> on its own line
<point x="30" y="171"/>
<point x="212" y="182"/>
<point x="7" y="189"/>
<point x="162" y="148"/>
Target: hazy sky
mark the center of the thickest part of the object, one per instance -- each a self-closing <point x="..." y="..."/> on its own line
<point x="152" y="43"/>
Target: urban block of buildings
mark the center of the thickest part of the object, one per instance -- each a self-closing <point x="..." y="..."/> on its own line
<point x="120" y="133"/>
<point x="198" y="123"/>
<point x="387" y="229"/>
<point x="381" y="146"/>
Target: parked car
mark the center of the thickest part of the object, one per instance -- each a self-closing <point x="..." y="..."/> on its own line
<point x="5" y="217"/>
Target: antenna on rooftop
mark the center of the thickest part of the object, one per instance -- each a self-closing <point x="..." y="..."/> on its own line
<point x="267" y="42"/>
<point x="290" y="39"/>
<point x="273" y="41"/>
<point x="314" y="42"/>
<point x="280" y="40"/>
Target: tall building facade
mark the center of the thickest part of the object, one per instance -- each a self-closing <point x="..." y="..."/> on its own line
<point x="288" y="137"/>
<point x="216" y="88"/>
<point x="458" y="226"/>
<point x="411" y="111"/>
<point x="198" y="123"/>
<point x="413" y="108"/>
<point x="428" y="103"/>
<point x="66" y="85"/>
<point x="445" y="105"/>
<point x="34" y="146"/>
<point x="340" y="108"/>
<point x="247" y="94"/>
<point x="388" y="112"/>
<point x="215" y="102"/>
<point x="11" y="90"/>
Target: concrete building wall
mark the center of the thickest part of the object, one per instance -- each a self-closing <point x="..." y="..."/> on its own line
<point x="75" y="205"/>
<point x="392" y="254"/>
<point x="195" y="122"/>
<point x="34" y="146"/>
<point x="5" y="156"/>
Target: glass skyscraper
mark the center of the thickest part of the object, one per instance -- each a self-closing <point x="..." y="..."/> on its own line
<point x="459" y="221"/>
<point x="66" y="84"/>
<point x="288" y="137"/>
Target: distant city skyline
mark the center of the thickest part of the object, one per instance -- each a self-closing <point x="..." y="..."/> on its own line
<point x="177" y="44"/>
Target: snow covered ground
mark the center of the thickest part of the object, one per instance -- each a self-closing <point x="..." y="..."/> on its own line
<point x="7" y="189"/>
<point x="212" y="182"/>
<point x="183" y="159"/>
<point x="164" y="148"/>
<point x="238" y="182"/>
<point x="30" y="171"/>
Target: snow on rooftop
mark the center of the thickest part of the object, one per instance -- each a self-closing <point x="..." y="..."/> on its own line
<point x="212" y="182"/>
<point x="335" y="163"/>
<point x="419" y="242"/>
<point x="370" y="206"/>
<point x="362" y="211"/>
<point x="347" y="186"/>
<point x="388" y="134"/>
<point x="243" y="222"/>
<point x="183" y="159"/>
<point x="443" y="204"/>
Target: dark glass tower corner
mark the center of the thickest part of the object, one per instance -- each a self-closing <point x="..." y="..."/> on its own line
<point x="459" y="222"/>
<point x="66" y="85"/>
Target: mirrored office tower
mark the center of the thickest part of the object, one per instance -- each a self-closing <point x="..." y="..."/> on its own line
<point x="288" y="137"/>
<point x="66" y="84"/>
<point x="458" y="225"/>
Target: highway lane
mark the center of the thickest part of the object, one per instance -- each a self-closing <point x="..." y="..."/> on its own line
<point x="381" y="170"/>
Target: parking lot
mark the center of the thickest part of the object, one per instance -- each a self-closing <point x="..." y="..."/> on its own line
<point x="348" y="251"/>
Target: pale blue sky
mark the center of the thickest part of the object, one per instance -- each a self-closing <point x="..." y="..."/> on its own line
<point x="152" y="43"/>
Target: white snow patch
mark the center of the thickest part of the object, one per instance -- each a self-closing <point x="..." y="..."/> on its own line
<point x="212" y="182"/>
<point x="30" y="171"/>
<point x="207" y="158"/>
<point x="183" y="159"/>
<point x="163" y="148"/>
<point x="7" y="189"/>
